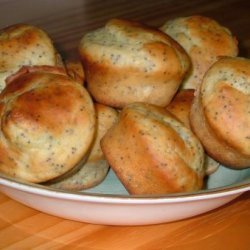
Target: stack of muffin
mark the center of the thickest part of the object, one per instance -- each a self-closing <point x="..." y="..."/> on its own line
<point x="163" y="107"/>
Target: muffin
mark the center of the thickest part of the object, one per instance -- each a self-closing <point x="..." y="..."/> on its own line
<point x="128" y="62"/>
<point x="180" y="106"/>
<point x="25" y="45"/>
<point x="47" y="125"/>
<point x="220" y="113"/>
<point x="75" y="70"/>
<point x="96" y="167"/>
<point x="205" y="40"/>
<point x="152" y="152"/>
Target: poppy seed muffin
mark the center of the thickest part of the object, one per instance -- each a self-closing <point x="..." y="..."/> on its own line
<point x="75" y="70"/>
<point x="180" y="107"/>
<point x="220" y="113"/>
<point x="128" y="62"/>
<point x="205" y="40"/>
<point x="25" y="45"/>
<point x="151" y="152"/>
<point x="47" y="125"/>
<point x="95" y="169"/>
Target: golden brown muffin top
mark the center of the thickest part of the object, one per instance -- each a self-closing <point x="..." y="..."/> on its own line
<point x="24" y="45"/>
<point x="225" y="97"/>
<point x="204" y="39"/>
<point x="47" y="125"/>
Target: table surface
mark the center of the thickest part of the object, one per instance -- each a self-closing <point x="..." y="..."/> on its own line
<point x="22" y="227"/>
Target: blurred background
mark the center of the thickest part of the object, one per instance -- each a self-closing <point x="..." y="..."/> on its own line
<point x="66" y="21"/>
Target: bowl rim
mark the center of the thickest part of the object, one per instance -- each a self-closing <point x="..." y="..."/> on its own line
<point x="38" y="189"/>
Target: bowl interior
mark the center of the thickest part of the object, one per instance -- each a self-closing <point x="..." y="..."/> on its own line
<point x="222" y="178"/>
